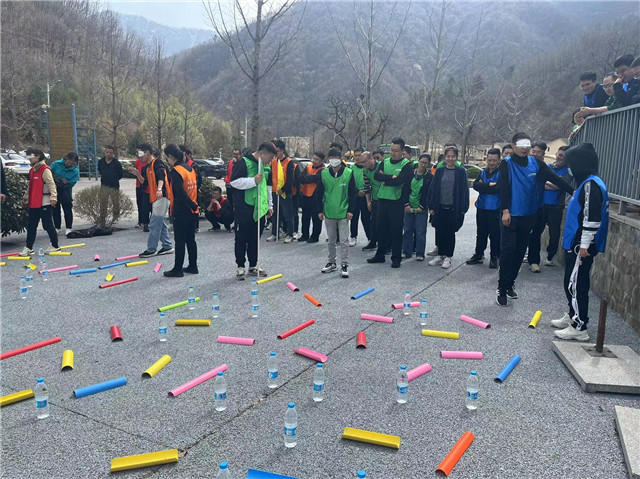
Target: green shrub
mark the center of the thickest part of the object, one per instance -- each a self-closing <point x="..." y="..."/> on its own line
<point x="473" y="173"/>
<point x="204" y="194"/>
<point x="14" y="212"/>
<point x="100" y="205"/>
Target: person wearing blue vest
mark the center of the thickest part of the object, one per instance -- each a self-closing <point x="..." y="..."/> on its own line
<point x="538" y="151"/>
<point x="585" y="235"/>
<point x="521" y="177"/>
<point x="488" y="210"/>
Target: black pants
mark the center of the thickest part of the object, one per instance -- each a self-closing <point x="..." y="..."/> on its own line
<point x="184" y="234"/>
<point x="373" y="223"/>
<point x="230" y="192"/>
<point x="514" y="240"/>
<point x="144" y="206"/>
<point x="216" y="221"/>
<point x="389" y="220"/>
<point x="246" y="241"/>
<point x="361" y="212"/>
<point x="296" y="216"/>
<point x="310" y="217"/>
<point x="549" y="215"/>
<point x="445" y="224"/>
<point x="537" y="229"/>
<point x="68" y="215"/>
<point x="582" y="284"/>
<point x="488" y="226"/>
<point x="44" y="214"/>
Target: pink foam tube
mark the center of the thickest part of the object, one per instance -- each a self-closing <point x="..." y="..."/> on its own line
<point x="63" y="268"/>
<point x="292" y="287"/>
<point x="419" y="371"/>
<point x="475" y="322"/>
<point x="157" y="268"/>
<point x="373" y="317"/>
<point x="461" y="355"/>
<point x="415" y="304"/>
<point x="199" y="380"/>
<point x="311" y="354"/>
<point x="121" y="258"/>
<point x="96" y="257"/>
<point x="232" y="340"/>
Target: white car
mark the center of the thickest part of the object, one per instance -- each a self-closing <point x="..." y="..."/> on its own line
<point x="16" y="163"/>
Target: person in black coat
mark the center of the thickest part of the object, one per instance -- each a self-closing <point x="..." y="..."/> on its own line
<point x="448" y="201"/>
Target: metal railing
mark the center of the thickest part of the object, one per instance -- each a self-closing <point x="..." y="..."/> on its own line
<point x="615" y="135"/>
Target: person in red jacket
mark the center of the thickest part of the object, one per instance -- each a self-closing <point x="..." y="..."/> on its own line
<point x="219" y="210"/>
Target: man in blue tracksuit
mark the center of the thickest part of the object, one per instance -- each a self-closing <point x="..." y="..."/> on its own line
<point x="585" y="235"/>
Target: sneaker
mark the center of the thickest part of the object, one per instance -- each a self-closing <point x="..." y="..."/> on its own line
<point x="138" y="225"/>
<point x="476" y="259"/>
<point x="550" y="262"/>
<point x="288" y="239"/>
<point x="145" y="229"/>
<point x="375" y="259"/>
<point x="303" y="238"/>
<point x="525" y="259"/>
<point x="512" y="293"/>
<point x="446" y="263"/>
<point x="353" y="242"/>
<point x="433" y="252"/>
<point x="395" y="264"/>
<point x="164" y="250"/>
<point x="191" y="270"/>
<point x="563" y="322"/>
<point x="535" y="268"/>
<point x="312" y="240"/>
<point x="329" y="267"/>
<point x="419" y="258"/>
<point x="59" y="231"/>
<point x="147" y="254"/>
<point x="254" y="272"/>
<point x="344" y="273"/>
<point x="26" y="252"/>
<point x="407" y="255"/>
<point x="214" y="228"/>
<point x="67" y="231"/>
<point x="501" y="298"/>
<point x="174" y="273"/>
<point x="240" y="273"/>
<point x="371" y="246"/>
<point x="296" y="236"/>
<point x="437" y="261"/>
<point x="271" y="238"/>
<point x="572" y="333"/>
<point x="493" y="262"/>
<point x="51" y="249"/>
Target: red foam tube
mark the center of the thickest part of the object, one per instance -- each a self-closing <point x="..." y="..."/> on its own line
<point x="296" y="329"/>
<point x="419" y="371"/>
<point x="115" y="333"/>
<point x="361" y="340"/>
<point x="15" y="253"/>
<point x="31" y="347"/>
<point x="374" y="317"/>
<point x="109" y="285"/>
<point x="311" y="354"/>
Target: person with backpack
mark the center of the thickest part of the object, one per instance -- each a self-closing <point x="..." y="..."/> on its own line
<point x="66" y="175"/>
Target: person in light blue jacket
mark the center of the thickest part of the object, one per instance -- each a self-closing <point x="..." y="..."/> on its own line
<point x="66" y="175"/>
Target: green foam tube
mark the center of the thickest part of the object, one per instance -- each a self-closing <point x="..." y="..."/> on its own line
<point x="175" y="305"/>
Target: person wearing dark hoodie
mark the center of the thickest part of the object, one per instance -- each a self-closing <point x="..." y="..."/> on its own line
<point x="309" y="180"/>
<point x="416" y="212"/>
<point x="521" y="178"/>
<point x="585" y="235"/>
<point x="183" y="196"/>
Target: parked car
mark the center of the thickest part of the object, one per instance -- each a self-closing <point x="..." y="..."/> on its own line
<point x="219" y="167"/>
<point x="15" y="162"/>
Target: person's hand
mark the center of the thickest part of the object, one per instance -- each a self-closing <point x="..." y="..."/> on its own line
<point x="25" y="200"/>
<point x="258" y="178"/>
<point x="349" y="216"/>
<point x="279" y="192"/>
<point x="158" y="194"/>
<point x="407" y="209"/>
<point x="53" y="203"/>
<point x="394" y="177"/>
<point x="584" y="252"/>
<point x="619" y="80"/>
<point x="216" y="203"/>
<point x="419" y="210"/>
<point x="361" y="193"/>
<point x="133" y="170"/>
<point x="479" y="180"/>
<point x="270" y="213"/>
<point x="432" y="213"/>
<point x="3" y="198"/>
<point x="506" y="218"/>
<point x="493" y="184"/>
<point x="321" y="216"/>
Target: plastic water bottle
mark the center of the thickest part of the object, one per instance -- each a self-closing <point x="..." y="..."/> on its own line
<point x="318" y="383"/>
<point x="220" y="389"/>
<point x="272" y="370"/>
<point x="42" y="399"/>
<point x="255" y="303"/>
<point x="215" y="306"/>
<point x="291" y="426"/>
<point x="423" y="313"/>
<point x="45" y="272"/>
<point x="223" y="472"/>
<point x="163" y="328"/>
<point x="472" y="391"/>
<point x="402" y="385"/>
<point x="406" y="310"/>
<point x="28" y="276"/>
<point x="192" y="298"/>
<point x="361" y="474"/>
<point x="41" y="254"/>
<point x="23" y="288"/>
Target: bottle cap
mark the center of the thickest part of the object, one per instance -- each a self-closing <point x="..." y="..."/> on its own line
<point x="161" y="314"/>
<point x="219" y="373"/>
<point x="21" y="277"/>
<point x="224" y="465"/>
<point x="273" y="353"/>
<point x="215" y="294"/>
<point x="40" y="380"/>
<point x="255" y="280"/>
<point x="361" y="474"/>
<point x="403" y="367"/>
<point x="291" y="405"/>
<point x="424" y="300"/>
<point x="473" y="373"/>
<point x="319" y="365"/>
<point x="407" y="292"/>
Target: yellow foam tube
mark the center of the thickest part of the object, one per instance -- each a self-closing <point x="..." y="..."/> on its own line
<point x="16" y="397"/>
<point x="370" y="437"/>
<point x="60" y="253"/>
<point x="144" y="460"/>
<point x="31" y="266"/>
<point x="440" y="334"/>
<point x="67" y="360"/>
<point x="109" y="277"/>
<point x="137" y="263"/>
<point x="193" y="322"/>
<point x="73" y="246"/>
<point x="536" y="318"/>
<point x="19" y="258"/>
<point x="270" y="278"/>
<point x="157" y="366"/>
<point x="2" y="263"/>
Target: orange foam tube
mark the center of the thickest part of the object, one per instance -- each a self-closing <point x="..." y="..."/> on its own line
<point x="449" y="462"/>
<point x="312" y="299"/>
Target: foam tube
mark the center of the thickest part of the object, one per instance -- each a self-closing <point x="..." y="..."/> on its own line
<point x="137" y="263"/>
<point x="148" y="459"/>
<point x="258" y="474"/>
<point x="113" y="265"/>
<point x="199" y="380"/>
<point x="157" y="267"/>
<point x="98" y="388"/>
<point x="2" y="263"/>
<point x="296" y="329"/>
<point x="31" y="347"/>
<point x="19" y="258"/>
<point x="16" y="397"/>
<point x="73" y="246"/>
<point x="361" y="340"/>
<point x="419" y="371"/>
<point x="475" y="322"/>
<point x="115" y="333"/>
<point x="449" y="462"/>
<point x="311" y="354"/>
<point x="122" y="258"/>
<point x="123" y="281"/>
<point x="109" y="277"/>
<point x="67" y="360"/>
<point x="83" y="271"/>
<point x="373" y="317"/>
<point x="292" y="287"/>
<point x="175" y="305"/>
<point x="536" y="318"/>
<point x="4" y="255"/>
<point x="96" y="257"/>
<point x="360" y="295"/>
<point x="414" y="304"/>
<point x="371" y="437"/>
<point x="461" y="355"/>
<point x="232" y="340"/>
<point x="312" y="299"/>
<point x="156" y="367"/>
<point x="270" y="278"/>
<point x="507" y="369"/>
<point x="63" y="268"/>
<point x="60" y="253"/>
<point x="31" y="266"/>
<point x="440" y="334"/>
<point x="193" y="322"/>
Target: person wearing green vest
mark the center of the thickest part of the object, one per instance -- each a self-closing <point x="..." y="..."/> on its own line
<point x="395" y="176"/>
<point x="336" y="202"/>
<point x="361" y="211"/>
<point x="249" y="182"/>
<point x="371" y="162"/>
<point x="416" y="212"/>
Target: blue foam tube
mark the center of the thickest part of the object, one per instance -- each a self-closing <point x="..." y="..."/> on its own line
<point x="257" y="474"/>
<point x="119" y="263"/>
<point x="82" y="271"/>
<point x="360" y="295"/>
<point x="98" y="388"/>
<point x="507" y="369"/>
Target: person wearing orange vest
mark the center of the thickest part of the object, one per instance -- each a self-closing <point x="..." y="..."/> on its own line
<point x="309" y="181"/>
<point x="285" y="191"/>
<point x="40" y="197"/>
<point x="183" y="195"/>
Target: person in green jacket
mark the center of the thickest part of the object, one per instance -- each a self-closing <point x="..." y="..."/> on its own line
<point x="66" y="175"/>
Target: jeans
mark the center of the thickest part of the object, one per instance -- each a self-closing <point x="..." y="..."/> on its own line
<point x="335" y="227"/>
<point x="513" y="244"/>
<point x="35" y="215"/>
<point x="285" y="213"/>
<point x="361" y="212"/>
<point x="488" y="225"/>
<point x="415" y="224"/>
<point x="68" y="215"/>
<point x="157" y="228"/>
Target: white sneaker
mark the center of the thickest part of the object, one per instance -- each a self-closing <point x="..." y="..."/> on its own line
<point x="67" y="231"/>
<point x="563" y="322"/>
<point x="51" y="249"/>
<point x="437" y="261"/>
<point x="353" y="242"/>
<point x="257" y="272"/>
<point x="271" y="238"/>
<point x="296" y="236"/>
<point x="240" y="274"/>
<point x="550" y="262"/>
<point x="26" y="252"/>
<point x="572" y="333"/>
<point x="288" y="239"/>
<point x="433" y="252"/>
<point x="59" y="232"/>
<point x="446" y="263"/>
<point x="329" y="267"/>
<point x="344" y="271"/>
<point x="535" y="268"/>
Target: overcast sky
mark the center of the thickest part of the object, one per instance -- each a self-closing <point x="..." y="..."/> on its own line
<point x="183" y="13"/>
